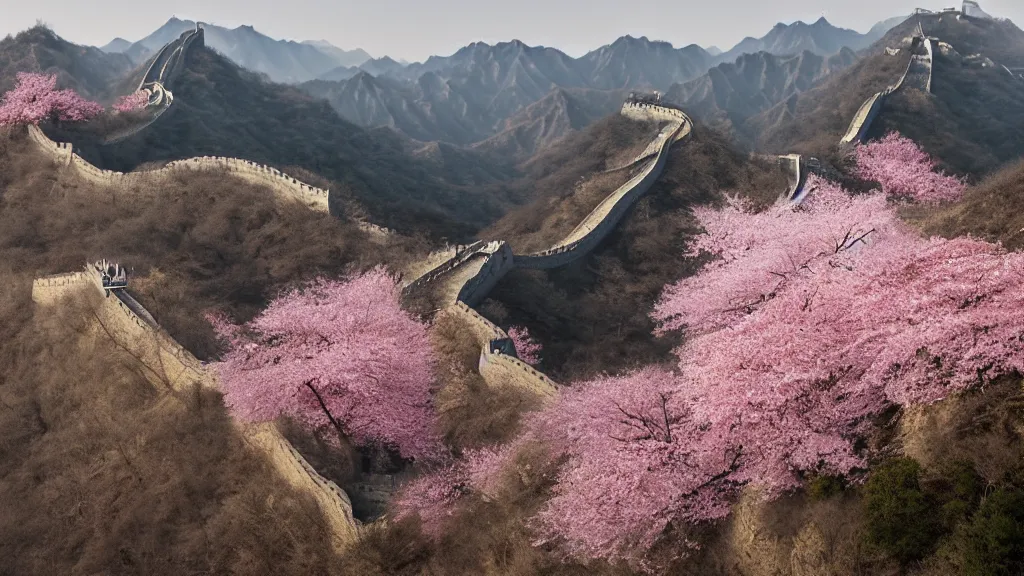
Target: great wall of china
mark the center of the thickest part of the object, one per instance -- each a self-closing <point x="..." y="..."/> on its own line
<point x="466" y="279"/>
<point x="918" y="75"/>
<point x="168" y="363"/>
<point x="282" y="184"/>
<point x="463" y="280"/>
<point x="162" y="70"/>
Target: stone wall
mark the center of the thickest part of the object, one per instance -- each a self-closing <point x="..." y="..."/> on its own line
<point x="134" y="329"/>
<point x="498" y="368"/>
<point x="283" y="184"/>
<point x="445" y="267"/>
<point x="603" y="219"/>
<point x="869" y="110"/>
<point x="498" y="364"/>
<point x="499" y="262"/>
<point x="315" y="198"/>
<point x="797" y="177"/>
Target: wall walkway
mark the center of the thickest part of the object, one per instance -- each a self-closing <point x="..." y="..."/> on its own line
<point x="919" y="66"/>
<point x="133" y="328"/>
<point x="285" y="186"/>
<point x="466" y="278"/>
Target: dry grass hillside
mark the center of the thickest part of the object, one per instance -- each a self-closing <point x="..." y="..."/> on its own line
<point x="992" y="210"/>
<point x="195" y="242"/>
<point x="100" y="471"/>
<point x="103" y="473"/>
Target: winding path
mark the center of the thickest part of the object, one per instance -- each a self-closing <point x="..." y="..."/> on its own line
<point x="467" y="277"/>
<point x="162" y="70"/>
<point x="919" y="71"/>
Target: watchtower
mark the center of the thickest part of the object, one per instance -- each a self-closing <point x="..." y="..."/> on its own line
<point x="108" y="275"/>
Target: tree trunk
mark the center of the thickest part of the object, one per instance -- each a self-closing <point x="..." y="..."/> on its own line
<point x="323" y="406"/>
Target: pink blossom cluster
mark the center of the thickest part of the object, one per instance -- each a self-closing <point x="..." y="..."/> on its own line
<point x="904" y="170"/>
<point x="35" y="99"/>
<point x="337" y="354"/>
<point x="433" y="496"/>
<point x="814" y="320"/>
<point x="527" y="348"/>
<point x="137" y="100"/>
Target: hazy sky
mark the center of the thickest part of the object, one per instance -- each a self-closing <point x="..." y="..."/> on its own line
<point x="415" y="29"/>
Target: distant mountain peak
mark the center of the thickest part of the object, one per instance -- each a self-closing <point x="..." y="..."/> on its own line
<point x="116" y="46"/>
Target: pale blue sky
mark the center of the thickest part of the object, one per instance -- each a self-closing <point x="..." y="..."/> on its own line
<point x="416" y="29"/>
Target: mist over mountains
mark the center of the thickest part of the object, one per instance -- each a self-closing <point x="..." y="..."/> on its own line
<point x="283" y="61"/>
<point x="475" y="93"/>
<point x="482" y="89"/>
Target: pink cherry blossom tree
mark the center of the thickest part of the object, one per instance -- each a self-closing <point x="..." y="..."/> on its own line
<point x="434" y="495"/>
<point x="813" y="321"/>
<point x="137" y="100"/>
<point x="527" y="348"/>
<point x="341" y="355"/>
<point x="903" y="169"/>
<point x="35" y="99"/>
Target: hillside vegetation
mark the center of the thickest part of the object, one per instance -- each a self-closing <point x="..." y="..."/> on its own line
<point x="195" y="242"/>
<point x="104" y="473"/>
<point x="992" y="210"/>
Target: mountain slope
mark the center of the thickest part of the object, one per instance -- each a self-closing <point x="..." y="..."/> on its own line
<point x="426" y="110"/>
<point x="820" y="38"/>
<point x="116" y="46"/>
<point x="550" y="119"/>
<point x="635" y="62"/>
<point x="88" y="70"/>
<point x="973" y="120"/>
<point x="223" y="110"/>
<point x="342" y="57"/>
<point x="731" y="93"/>
<point x="282" y="60"/>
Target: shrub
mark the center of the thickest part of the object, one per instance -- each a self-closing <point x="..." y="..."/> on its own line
<point x="901" y="518"/>
<point x="995" y="537"/>
<point x="825" y="486"/>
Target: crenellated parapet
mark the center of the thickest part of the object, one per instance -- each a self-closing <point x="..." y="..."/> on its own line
<point x="284" y="185"/>
<point x="466" y="278"/>
<point x="919" y="69"/>
<point x="168" y="363"/>
<point x="315" y="198"/>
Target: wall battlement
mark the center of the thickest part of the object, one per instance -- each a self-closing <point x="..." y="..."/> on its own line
<point x="135" y="329"/>
<point x="284" y="185"/>
<point x="871" y="107"/>
<point x="497" y="366"/>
